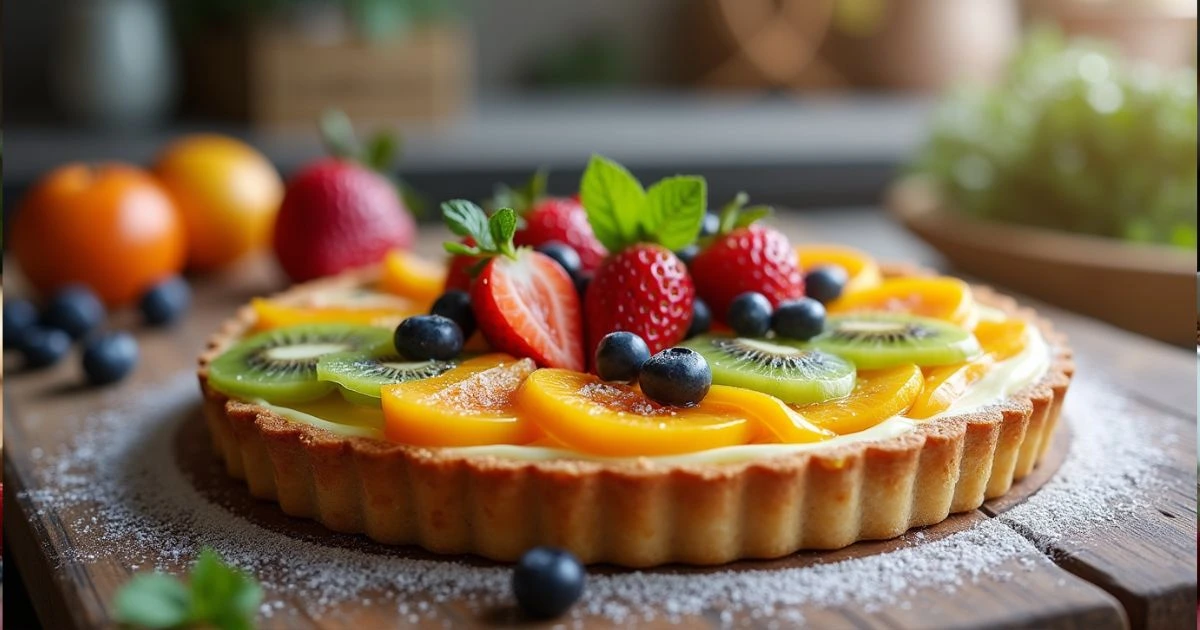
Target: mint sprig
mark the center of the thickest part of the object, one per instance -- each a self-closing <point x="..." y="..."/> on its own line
<point x="492" y="235"/>
<point x="216" y="595"/>
<point x="523" y="198"/>
<point x="621" y="212"/>
<point x="736" y="214"/>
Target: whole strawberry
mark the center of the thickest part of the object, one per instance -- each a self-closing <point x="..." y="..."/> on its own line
<point x="642" y="287"/>
<point x="337" y="215"/>
<point x="746" y="256"/>
<point x="548" y="219"/>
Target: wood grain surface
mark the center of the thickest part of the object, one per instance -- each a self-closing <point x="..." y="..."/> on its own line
<point x="1141" y="576"/>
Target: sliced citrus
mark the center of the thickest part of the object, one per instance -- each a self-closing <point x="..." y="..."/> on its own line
<point x="877" y="396"/>
<point x="408" y="275"/>
<point x="588" y="415"/>
<point x="946" y="384"/>
<point x="773" y="416"/>
<point x="862" y="270"/>
<point x="273" y="314"/>
<point x="470" y="405"/>
<point x="942" y="298"/>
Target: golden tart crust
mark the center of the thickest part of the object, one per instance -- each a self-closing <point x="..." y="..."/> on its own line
<point x="636" y="513"/>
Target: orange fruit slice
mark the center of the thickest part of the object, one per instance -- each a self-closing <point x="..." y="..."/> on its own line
<point x="272" y="314"/>
<point x="408" y="275"/>
<point x="877" y="396"/>
<point x="776" y="420"/>
<point x="470" y="405"/>
<point x="946" y="384"/>
<point x="940" y="297"/>
<point x="588" y="415"/>
<point x="862" y="270"/>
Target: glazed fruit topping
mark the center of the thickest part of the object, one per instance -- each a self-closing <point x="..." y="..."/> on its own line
<point x="939" y="297"/>
<point x="862" y="270"/>
<point x="455" y="305"/>
<point x="387" y="312"/>
<point x="878" y="340"/>
<point x="800" y="319"/>
<point x="877" y="396"/>
<point x="749" y="314"/>
<point x="413" y="277"/>
<point x="825" y="283"/>
<point x="620" y="357"/>
<point x="428" y="337"/>
<point x="546" y="581"/>
<point x="678" y="376"/>
<point x="791" y="372"/>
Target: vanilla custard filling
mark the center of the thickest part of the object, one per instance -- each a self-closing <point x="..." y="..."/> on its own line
<point x="1002" y="381"/>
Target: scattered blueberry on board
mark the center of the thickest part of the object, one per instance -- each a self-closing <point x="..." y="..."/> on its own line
<point x="19" y="317"/>
<point x="749" y="314"/>
<point x="800" y="319"/>
<point x="110" y="357"/>
<point x="426" y="337"/>
<point x="678" y="376"/>
<point x="825" y="283"/>
<point x="43" y="347"/>
<point x="455" y="305"/>
<point x="547" y="581"/>
<point x="166" y="301"/>
<point x="620" y="356"/>
<point x="74" y="310"/>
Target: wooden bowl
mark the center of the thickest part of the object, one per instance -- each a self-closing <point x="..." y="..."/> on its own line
<point x="1143" y="288"/>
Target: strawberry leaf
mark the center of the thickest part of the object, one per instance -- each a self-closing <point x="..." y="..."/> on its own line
<point x="467" y="219"/>
<point x="614" y="200"/>
<point x="736" y="215"/>
<point x="462" y="249"/>
<point x="535" y="188"/>
<point x="503" y="225"/>
<point x="675" y="210"/>
<point x="380" y="152"/>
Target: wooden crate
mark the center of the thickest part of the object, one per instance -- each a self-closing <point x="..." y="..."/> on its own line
<point x="276" y="76"/>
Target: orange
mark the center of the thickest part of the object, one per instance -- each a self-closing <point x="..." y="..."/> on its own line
<point x="408" y="275"/>
<point x="877" y="396"/>
<point x="862" y="270"/>
<point x="940" y="297"/>
<point x="948" y="383"/>
<point x="470" y="405"/>
<point x="227" y="193"/>
<point x="111" y="227"/>
<point x="273" y="314"/>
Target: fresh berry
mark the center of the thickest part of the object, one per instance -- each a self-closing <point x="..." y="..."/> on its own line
<point x="74" y="310"/>
<point x="799" y="319"/>
<point x="166" y="301"/>
<point x="547" y="219"/>
<point x="564" y="255"/>
<point x="460" y="270"/>
<point x="455" y="305"/>
<point x="581" y="285"/>
<point x="525" y="303"/>
<point x="678" y="376"/>
<point x="750" y="314"/>
<point x="620" y="356"/>
<point x="701" y="318"/>
<point x="336" y="215"/>
<point x="825" y="283"/>
<point x="428" y="337"/>
<point x="744" y="256"/>
<point x="547" y="581"/>
<point x="19" y="316"/>
<point x="688" y="254"/>
<point x="44" y="347"/>
<point x="109" y="358"/>
<point x="711" y="224"/>
<point x="644" y="289"/>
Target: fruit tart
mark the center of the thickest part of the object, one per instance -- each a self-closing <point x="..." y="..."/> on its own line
<point x="612" y="411"/>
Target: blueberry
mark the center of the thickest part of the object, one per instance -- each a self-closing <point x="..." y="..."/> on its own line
<point x="19" y="316"/>
<point x="676" y="376"/>
<point x="620" y="356"/>
<point x="455" y="305"/>
<point x="44" y="347"/>
<point x="166" y="301"/>
<point x="425" y="337"/>
<point x="564" y="255"/>
<point x="109" y="358"/>
<point x="799" y="319"/>
<point x="74" y="310"/>
<point x="749" y="314"/>
<point x="711" y="224"/>
<point x="546" y="581"/>
<point x="826" y="283"/>
<point x="701" y="318"/>
<point x="688" y="254"/>
<point x="581" y="284"/>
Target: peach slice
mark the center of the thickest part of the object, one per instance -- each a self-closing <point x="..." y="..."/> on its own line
<point x="940" y="297"/>
<point x="877" y="396"/>
<point x="408" y="275"/>
<point x="946" y="384"/>
<point x="470" y="405"/>
<point x="862" y="270"/>
<point x="272" y="314"/>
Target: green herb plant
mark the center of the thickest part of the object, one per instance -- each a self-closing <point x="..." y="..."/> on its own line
<point x="216" y="595"/>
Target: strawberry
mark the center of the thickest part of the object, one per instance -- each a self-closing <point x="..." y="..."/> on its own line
<point x="548" y="219"/>
<point x="746" y="256"/>
<point x="643" y="287"/>
<point x="459" y="274"/>
<point x="524" y="302"/>
<point x="335" y="215"/>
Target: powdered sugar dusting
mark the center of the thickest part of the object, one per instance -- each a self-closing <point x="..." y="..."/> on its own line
<point x="119" y="481"/>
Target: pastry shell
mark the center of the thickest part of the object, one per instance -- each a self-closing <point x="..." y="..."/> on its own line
<point x="635" y="513"/>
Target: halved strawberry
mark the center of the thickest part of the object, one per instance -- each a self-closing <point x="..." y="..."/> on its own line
<point x="548" y="219"/>
<point x="525" y="304"/>
<point x="458" y="274"/>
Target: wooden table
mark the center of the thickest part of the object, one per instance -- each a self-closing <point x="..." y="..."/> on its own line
<point x="1140" y="576"/>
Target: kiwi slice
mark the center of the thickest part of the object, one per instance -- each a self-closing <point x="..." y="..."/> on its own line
<point x="880" y="340"/>
<point x="792" y="372"/>
<point x="360" y="374"/>
<point x="280" y="365"/>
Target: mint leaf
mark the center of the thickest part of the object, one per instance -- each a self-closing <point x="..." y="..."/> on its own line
<point x="674" y="211"/>
<point x="614" y="200"/>
<point x="337" y="133"/>
<point x="751" y="215"/>
<point x="457" y="248"/>
<point x="502" y="226"/>
<point x="464" y="218"/>
<point x="221" y="594"/>
<point x="152" y="600"/>
<point x="381" y="150"/>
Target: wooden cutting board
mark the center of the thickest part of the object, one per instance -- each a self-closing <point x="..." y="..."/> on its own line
<point x="1141" y="576"/>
